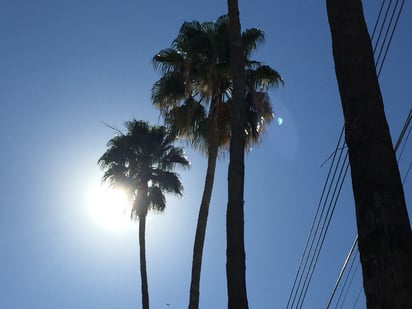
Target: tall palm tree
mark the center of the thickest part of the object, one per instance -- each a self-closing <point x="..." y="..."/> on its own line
<point x="194" y="96"/>
<point x="384" y="232"/>
<point x="235" y="252"/>
<point x="142" y="162"/>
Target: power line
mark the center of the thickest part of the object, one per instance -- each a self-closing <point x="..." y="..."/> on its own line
<point x="405" y="127"/>
<point x="355" y="242"/>
<point x="310" y="241"/>
<point x="377" y="19"/>
<point x="344" y="288"/>
<point x="357" y="298"/>
<point x="407" y="173"/>
<point x="382" y="25"/>
<point x="387" y="28"/>
<point x="391" y="35"/>
<point x="342" y="174"/>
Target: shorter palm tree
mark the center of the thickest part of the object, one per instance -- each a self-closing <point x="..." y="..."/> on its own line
<point x="141" y="162"/>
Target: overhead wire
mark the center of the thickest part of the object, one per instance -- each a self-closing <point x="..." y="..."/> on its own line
<point x="350" y="283"/>
<point x="377" y="19"/>
<point x="407" y="173"/>
<point x="382" y="24"/>
<point x="391" y="36"/>
<point x="405" y="127"/>
<point x="357" y="298"/>
<point x="345" y="288"/>
<point x="392" y="15"/>
<point x="310" y="241"/>
<point x="325" y="226"/>
<point x="354" y="244"/>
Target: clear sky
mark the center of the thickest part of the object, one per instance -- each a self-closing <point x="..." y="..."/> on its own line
<point x="68" y="67"/>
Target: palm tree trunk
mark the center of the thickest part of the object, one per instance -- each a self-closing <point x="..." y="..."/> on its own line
<point x="201" y="226"/>
<point x="143" y="271"/>
<point x="385" y="239"/>
<point x="235" y="251"/>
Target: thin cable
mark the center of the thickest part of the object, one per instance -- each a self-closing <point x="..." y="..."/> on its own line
<point x="377" y="19"/>
<point x="391" y="37"/>
<point x="357" y="297"/>
<point x="312" y="251"/>
<point x="404" y="144"/>
<point x="342" y="271"/>
<point x="324" y="235"/>
<point x="350" y="284"/>
<point x="318" y="237"/>
<point x="405" y="127"/>
<point x="407" y="173"/>
<point x="387" y="31"/>
<point x="314" y="220"/>
<point x="382" y="26"/>
<point x="300" y="270"/>
<point x="344" y="288"/>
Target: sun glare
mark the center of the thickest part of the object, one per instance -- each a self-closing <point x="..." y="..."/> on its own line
<point x="109" y="207"/>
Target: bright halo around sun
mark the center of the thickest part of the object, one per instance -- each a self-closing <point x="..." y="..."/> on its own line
<point x="110" y="208"/>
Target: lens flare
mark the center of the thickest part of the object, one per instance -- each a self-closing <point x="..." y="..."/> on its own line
<point x="279" y="121"/>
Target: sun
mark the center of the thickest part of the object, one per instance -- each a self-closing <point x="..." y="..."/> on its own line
<point x="109" y="207"/>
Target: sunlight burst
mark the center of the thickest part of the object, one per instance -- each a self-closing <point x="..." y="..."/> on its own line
<point x="110" y="207"/>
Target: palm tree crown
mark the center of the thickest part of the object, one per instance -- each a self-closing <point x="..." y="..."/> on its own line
<point x="195" y="90"/>
<point x="143" y="158"/>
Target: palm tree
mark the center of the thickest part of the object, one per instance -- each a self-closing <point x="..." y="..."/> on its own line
<point x="142" y="162"/>
<point x="194" y="96"/>
<point x="235" y="252"/>
<point x="384" y="232"/>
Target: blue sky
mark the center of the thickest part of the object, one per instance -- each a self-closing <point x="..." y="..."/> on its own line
<point x="68" y="67"/>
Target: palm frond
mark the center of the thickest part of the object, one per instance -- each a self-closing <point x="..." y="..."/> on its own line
<point x="189" y="32"/>
<point x="156" y="198"/>
<point x="263" y="77"/>
<point x="175" y="156"/>
<point x="251" y="39"/>
<point x="167" y="181"/>
<point x="168" y="60"/>
<point x="259" y="115"/>
<point x="168" y="91"/>
<point x="188" y="121"/>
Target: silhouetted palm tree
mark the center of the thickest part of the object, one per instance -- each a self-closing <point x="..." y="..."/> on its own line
<point x="141" y="162"/>
<point x="194" y="96"/>
<point x="384" y="232"/>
